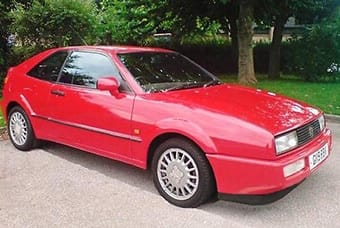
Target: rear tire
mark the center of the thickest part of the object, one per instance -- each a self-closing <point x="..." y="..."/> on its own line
<point x="182" y="174"/>
<point x="20" y="130"/>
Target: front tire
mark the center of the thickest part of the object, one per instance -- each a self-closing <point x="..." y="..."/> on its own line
<point x="182" y="174"/>
<point x="20" y="130"/>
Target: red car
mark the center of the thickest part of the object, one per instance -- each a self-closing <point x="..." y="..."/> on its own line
<point x="154" y="108"/>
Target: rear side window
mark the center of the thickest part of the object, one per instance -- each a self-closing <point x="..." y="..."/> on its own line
<point x="85" y="68"/>
<point x="49" y="68"/>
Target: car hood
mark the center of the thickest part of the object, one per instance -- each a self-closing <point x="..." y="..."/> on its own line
<point x="272" y="112"/>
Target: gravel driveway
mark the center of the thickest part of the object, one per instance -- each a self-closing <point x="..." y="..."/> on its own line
<point x="57" y="186"/>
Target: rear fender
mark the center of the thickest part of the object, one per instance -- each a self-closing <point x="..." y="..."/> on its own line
<point x="22" y="102"/>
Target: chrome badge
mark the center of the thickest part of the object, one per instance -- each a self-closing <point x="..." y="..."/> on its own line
<point x="311" y="131"/>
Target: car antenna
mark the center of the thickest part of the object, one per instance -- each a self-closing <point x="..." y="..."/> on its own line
<point x="81" y="38"/>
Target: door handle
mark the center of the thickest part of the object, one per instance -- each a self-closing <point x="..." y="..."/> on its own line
<point x="58" y="93"/>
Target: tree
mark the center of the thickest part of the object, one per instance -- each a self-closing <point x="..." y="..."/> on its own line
<point x="3" y="36"/>
<point x="276" y="13"/>
<point x="316" y="55"/>
<point x="224" y="12"/>
<point x="246" y="72"/>
<point x="235" y="16"/>
<point x="52" y="23"/>
<point x="130" y="21"/>
<point x="5" y="21"/>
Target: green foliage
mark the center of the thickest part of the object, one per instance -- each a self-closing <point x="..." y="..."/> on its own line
<point x="215" y="53"/>
<point x="134" y="21"/>
<point x="130" y="21"/>
<point x="21" y="53"/>
<point x="5" y="20"/>
<point x="316" y="55"/>
<point x="306" y="11"/>
<point x="261" y="57"/>
<point x="2" y="59"/>
<point x="3" y="36"/>
<point x="200" y="17"/>
<point x="53" y="23"/>
<point x="2" y="121"/>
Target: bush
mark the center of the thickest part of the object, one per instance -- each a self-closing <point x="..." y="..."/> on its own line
<point x="216" y="53"/>
<point x="128" y="22"/>
<point x="261" y="57"/>
<point x="20" y="53"/>
<point x="316" y="56"/>
<point x="16" y="55"/>
<point x="52" y="23"/>
<point x="3" y="67"/>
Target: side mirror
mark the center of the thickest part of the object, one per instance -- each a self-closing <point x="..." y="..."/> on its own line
<point x="109" y="84"/>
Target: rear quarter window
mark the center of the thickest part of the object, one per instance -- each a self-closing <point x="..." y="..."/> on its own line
<point x="49" y="68"/>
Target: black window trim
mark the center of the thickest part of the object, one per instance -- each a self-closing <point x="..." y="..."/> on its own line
<point x="42" y="60"/>
<point x="127" y="89"/>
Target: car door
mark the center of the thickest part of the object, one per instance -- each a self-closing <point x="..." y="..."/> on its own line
<point x="36" y="93"/>
<point x="89" y="118"/>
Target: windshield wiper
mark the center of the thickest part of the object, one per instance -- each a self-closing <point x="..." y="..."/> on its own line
<point x="182" y="86"/>
<point x="212" y="82"/>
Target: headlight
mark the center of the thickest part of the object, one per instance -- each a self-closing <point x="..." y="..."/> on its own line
<point x="286" y="142"/>
<point x="322" y="122"/>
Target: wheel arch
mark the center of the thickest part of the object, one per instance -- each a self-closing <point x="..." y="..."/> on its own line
<point x="21" y="101"/>
<point x="164" y="137"/>
<point x="11" y="105"/>
<point x="26" y="108"/>
<point x="167" y="135"/>
<point x="159" y="140"/>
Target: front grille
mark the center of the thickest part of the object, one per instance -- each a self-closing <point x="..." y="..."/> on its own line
<point x="307" y="132"/>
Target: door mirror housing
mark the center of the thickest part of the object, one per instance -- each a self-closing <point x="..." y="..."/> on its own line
<point x="109" y="84"/>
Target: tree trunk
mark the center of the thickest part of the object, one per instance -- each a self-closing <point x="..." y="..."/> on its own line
<point x="246" y="73"/>
<point x="275" y="48"/>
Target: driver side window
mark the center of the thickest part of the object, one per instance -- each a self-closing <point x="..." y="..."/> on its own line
<point x="85" y="68"/>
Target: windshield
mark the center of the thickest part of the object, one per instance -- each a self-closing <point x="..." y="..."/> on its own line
<point x="159" y="72"/>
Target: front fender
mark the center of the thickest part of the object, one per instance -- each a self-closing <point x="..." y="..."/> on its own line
<point x="188" y="129"/>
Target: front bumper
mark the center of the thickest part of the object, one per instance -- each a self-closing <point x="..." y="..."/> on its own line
<point x="236" y="175"/>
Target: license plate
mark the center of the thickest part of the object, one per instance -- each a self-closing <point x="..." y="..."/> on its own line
<point x="316" y="158"/>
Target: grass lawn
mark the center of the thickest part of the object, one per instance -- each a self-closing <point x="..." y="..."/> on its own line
<point x="2" y="121"/>
<point x="323" y="95"/>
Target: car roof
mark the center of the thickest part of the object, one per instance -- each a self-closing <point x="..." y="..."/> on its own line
<point x="116" y="49"/>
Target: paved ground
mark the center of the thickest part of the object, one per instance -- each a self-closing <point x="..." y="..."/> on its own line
<point x="57" y="186"/>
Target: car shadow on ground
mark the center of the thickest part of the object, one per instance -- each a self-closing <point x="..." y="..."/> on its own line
<point x="132" y="175"/>
<point x="114" y="169"/>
